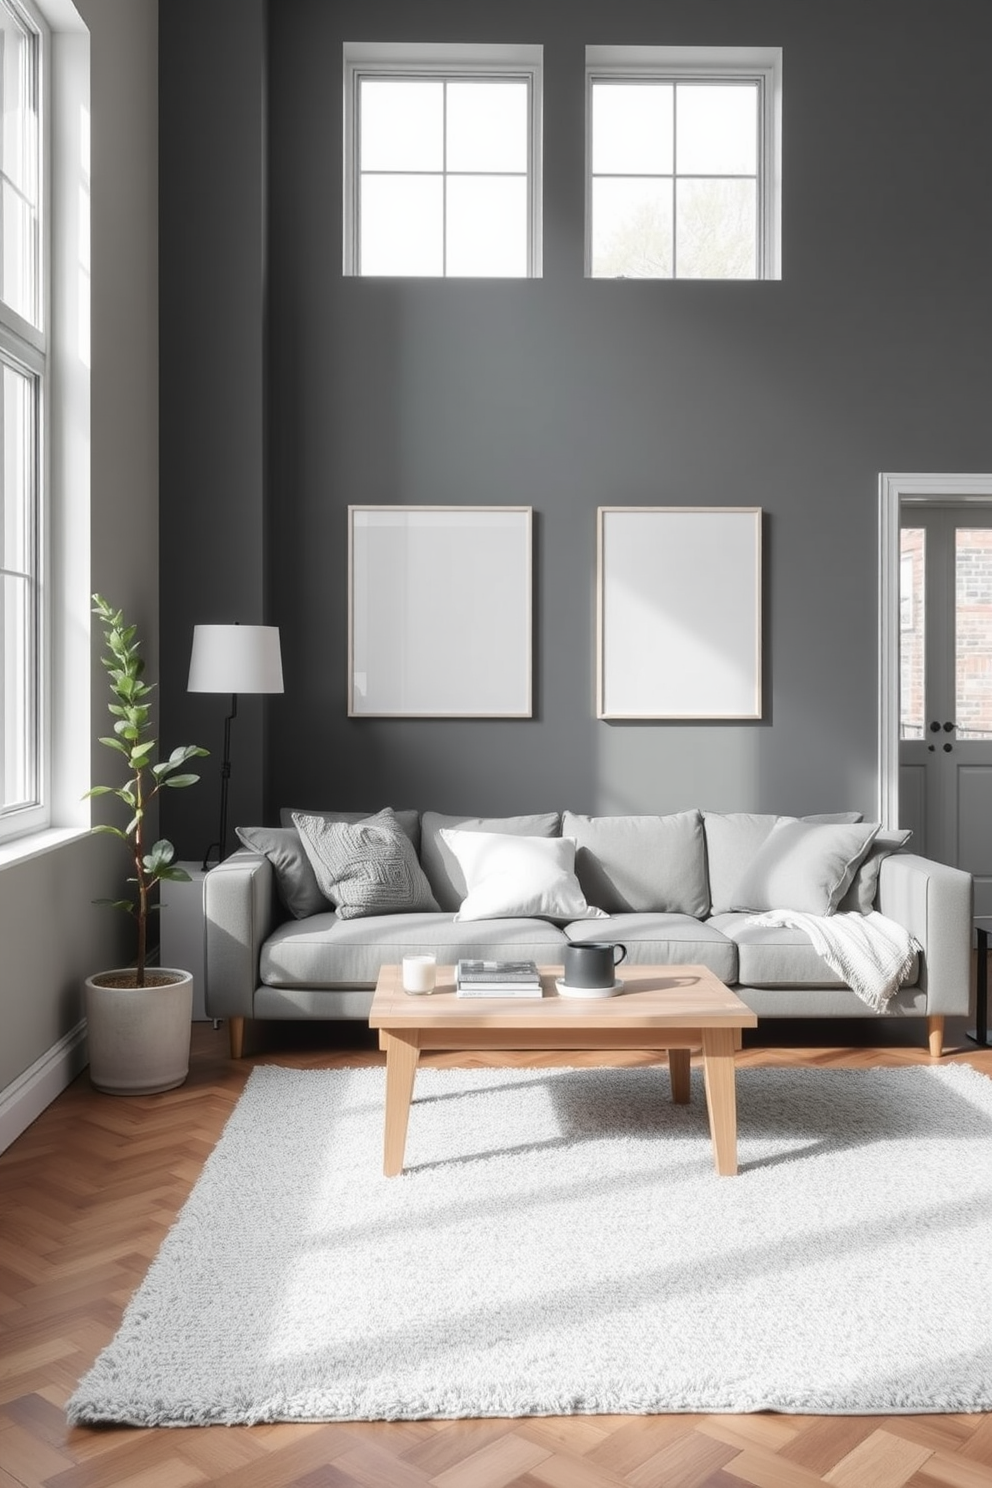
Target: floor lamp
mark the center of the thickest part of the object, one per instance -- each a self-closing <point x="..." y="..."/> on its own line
<point x="234" y="659"/>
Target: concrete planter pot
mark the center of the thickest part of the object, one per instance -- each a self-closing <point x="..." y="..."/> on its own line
<point x="138" y="1036"/>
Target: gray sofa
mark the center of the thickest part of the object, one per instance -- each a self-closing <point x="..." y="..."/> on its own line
<point x="676" y="889"/>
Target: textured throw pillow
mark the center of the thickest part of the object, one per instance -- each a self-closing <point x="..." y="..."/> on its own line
<point x="518" y="877"/>
<point x="642" y="864"/>
<point x="408" y="820"/>
<point x="365" y="868"/>
<point x="860" y="897"/>
<point x="295" y="882"/>
<point x="804" y="866"/>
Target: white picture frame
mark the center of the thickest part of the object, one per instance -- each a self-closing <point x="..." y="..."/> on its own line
<point x="440" y="612"/>
<point x="679" y="593"/>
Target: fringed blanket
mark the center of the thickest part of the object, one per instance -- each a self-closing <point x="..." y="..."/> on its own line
<point x="873" y="954"/>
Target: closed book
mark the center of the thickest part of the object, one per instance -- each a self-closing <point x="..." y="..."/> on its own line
<point x="498" y="973"/>
<point x="498" y="989"/>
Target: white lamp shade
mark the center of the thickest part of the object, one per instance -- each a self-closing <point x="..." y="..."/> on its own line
<point x="235" y="658"/>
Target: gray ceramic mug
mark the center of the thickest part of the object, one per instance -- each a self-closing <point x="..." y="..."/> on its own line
<point x="592" y="963"/>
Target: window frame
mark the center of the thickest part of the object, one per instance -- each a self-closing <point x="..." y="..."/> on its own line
<point x="675" y="65"/>
<point x="26" y="347"/>
<point x="445" y="63"/>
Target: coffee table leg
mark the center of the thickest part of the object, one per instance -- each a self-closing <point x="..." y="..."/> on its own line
<point x="401" y="1066"/>
<point x="678" y="1074"/>
<point x="721" y="1096"/>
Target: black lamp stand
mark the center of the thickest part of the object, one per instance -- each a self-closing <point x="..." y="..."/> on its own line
<point x="225" y="779"/>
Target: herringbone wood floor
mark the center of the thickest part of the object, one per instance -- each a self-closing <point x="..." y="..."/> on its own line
<point x="87" y="1194"/>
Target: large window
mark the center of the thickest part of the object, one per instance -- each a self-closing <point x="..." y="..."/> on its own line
<point x="442" y="161"/>
<point x="22" y="380"/>
<point x="682" y="163"/>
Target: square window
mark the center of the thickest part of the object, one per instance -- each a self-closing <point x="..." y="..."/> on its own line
<point x="442" y="162"/>
<point x="683" y="163"/>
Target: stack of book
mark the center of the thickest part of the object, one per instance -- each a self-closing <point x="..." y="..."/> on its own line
<point x="497" y="979"/>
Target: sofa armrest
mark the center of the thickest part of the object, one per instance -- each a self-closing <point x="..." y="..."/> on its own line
<point x="935" y="903"/>
<point x="239" y="910"/>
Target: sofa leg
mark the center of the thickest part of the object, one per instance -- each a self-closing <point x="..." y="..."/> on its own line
<point x="236" y="1033"/>
<point x="935" y="1035"/>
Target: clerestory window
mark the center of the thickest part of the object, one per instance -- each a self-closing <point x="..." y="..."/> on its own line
<point x="442" y="161"/>
<point x="683" y="173"/>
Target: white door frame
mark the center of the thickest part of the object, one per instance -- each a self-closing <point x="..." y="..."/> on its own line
<point x="893" y="490"/>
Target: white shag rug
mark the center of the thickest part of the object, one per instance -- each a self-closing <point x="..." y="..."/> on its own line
<point x="560" y="1243"/>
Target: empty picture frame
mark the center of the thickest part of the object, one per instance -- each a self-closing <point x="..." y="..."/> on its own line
<point x="440" y="612"/>
<point x="679" y="612"/>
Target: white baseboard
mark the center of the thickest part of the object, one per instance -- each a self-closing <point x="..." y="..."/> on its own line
<point x="27" y="1097"/>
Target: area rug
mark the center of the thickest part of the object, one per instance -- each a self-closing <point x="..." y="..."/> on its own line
<point x="560" y="1243"/>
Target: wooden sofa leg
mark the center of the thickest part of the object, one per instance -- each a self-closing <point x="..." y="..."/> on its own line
<point x="935" y="1035"/>
<point x="236" y="1032"/>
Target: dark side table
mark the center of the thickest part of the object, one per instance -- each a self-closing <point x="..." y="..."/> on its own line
<point x="980" y="1033"/>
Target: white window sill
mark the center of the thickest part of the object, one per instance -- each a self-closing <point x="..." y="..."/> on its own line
<point x="35" y="844"/>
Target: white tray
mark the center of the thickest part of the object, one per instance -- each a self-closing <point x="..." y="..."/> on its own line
<point x="564" y="990"/>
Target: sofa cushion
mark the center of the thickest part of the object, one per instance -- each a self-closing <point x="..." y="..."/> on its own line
<point x="804" y="866"/>
<point x="509" y="876"/>
<point x="665" y="939"/>
<point x="641" y="863"/>
<point x="444" y="875"/>
<point x="778" y="956"/>
<point x="860" y="897"/>
<point x="732" y="839"/>
<point x="365" y="867"/>
<point x="326" y="951"/>
<point x="296" y="883"/>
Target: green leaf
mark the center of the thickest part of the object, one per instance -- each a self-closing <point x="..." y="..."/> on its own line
<point x="160" y="857"/>
<point x="124" y="904"/>
<point x="174" y="875"/>
<point x="99" y="790"/>
<point x="113" y="831"/>
<point x="176" y="782"/>
<point x="115" y="744"/>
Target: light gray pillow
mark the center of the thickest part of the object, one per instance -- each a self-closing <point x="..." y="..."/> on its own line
<point x="805" y="866"/>
<point x="365" y="868"/>
<point x="408" y="820"/>
<point x="860" y="897"/>
<point x="444" y="874"/>
<point x="296" y="885"/>
<point x="732" y="839"/>
<point x="642" y="864"/>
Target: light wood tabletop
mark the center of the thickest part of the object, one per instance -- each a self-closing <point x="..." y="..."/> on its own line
<point x="669" y="1008"/>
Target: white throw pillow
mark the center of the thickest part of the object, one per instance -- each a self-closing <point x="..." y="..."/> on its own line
<point x="512" y="877"/>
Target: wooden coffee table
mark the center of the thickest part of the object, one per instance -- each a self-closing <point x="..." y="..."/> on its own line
<point x="672" y="1008"/>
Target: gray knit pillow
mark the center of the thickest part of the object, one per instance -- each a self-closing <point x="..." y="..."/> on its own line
<point x="364" y="868"/>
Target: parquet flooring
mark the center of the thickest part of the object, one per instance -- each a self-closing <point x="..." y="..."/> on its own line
<point x="89" y="1191"/>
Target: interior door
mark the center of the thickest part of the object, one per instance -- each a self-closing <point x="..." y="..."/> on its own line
<point x="945" y="712"/>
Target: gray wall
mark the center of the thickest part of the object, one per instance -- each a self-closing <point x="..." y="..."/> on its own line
<point x="50" y="932"/>
<point x="869" y="355"/>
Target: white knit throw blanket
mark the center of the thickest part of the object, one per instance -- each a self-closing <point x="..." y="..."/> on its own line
<point x="873" y="954"/>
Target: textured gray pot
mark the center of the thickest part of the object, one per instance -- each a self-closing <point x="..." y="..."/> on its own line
<point x="138" y="1036"/>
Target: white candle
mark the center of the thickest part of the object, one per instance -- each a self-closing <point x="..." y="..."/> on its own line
<point x="419" y="973"/>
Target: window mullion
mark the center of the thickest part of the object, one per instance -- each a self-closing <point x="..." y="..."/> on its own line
<point x="444" y="179"/>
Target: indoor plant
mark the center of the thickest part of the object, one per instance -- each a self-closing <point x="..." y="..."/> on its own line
<point x="138" y="1018"/>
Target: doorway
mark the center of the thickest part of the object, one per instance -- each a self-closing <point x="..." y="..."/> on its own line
<point x="936" y="674"/>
